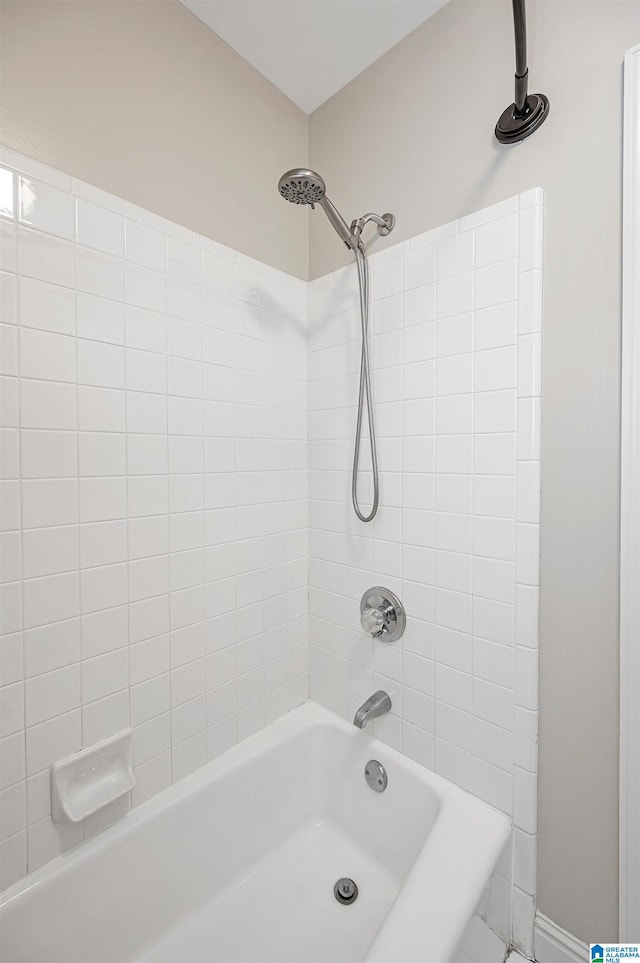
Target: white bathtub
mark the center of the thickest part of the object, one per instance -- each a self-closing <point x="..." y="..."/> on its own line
<point x="238" y="862"/>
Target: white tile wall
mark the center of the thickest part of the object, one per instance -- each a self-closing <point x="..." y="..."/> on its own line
<point x="456" y="331"/>
<point x="161" y="400"/>
<point x="154" y="496"/>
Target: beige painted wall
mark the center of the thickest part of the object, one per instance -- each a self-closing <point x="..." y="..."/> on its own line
<point x="143" y="100"/>
<point x="413" y="134"/>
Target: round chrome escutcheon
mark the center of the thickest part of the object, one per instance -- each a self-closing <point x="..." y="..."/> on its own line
<point x="382" y="614"/>
<point x="376" y="775"/>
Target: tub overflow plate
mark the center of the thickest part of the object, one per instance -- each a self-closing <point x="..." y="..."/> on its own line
<point x="345" y="890"/>
<point x="376" y="775"/>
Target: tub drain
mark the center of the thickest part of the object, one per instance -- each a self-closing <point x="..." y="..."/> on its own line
<point x="345" y="890"/>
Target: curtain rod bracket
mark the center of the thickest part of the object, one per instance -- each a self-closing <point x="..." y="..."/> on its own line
<point x="528" y="111"/>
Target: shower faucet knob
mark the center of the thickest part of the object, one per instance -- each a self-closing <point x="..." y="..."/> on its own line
<point x="373" y="621"/>
<point x="382" y="614"/>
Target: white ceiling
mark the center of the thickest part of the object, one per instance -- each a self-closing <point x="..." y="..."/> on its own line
<point x="312" y="48"/>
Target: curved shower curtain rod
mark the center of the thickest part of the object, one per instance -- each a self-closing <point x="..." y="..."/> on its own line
<point x="528" y="111"/>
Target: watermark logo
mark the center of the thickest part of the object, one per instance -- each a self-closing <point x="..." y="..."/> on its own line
<point x="614" y="952"/>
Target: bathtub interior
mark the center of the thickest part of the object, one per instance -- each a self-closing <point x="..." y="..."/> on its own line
<point x="237" y="866"/>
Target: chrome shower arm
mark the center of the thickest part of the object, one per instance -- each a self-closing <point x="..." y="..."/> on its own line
<point x="361" y="221"/>
<point x="385" y="224"/>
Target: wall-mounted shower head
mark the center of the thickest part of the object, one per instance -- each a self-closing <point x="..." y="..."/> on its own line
<point x="301" y="186"/>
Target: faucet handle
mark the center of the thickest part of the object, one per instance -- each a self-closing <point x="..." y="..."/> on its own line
<point x="374" y="621"/>
<point x="382" y="614"/>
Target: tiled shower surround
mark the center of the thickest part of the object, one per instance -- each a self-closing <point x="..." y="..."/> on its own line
<point x="166" y="554"/>
<point x="154" y="459"/>
<point x="456" y="337"/>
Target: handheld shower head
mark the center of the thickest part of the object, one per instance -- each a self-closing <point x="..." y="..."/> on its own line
<point x="301" y="186"/>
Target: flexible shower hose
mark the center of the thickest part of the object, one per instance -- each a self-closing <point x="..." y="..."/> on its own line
<point x="365" y="391"/>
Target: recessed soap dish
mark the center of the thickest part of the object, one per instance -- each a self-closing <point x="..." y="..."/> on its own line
<point x="87" y="781"/>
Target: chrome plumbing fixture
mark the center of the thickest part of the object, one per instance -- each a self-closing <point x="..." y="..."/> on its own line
<point x="301" y="186"/>
<point x="345" y="890"/>
<point x="386" y="224"/>
<point x="382" y="614"/>
<point x="375" y="775"/>
<point x="376" y="705"/>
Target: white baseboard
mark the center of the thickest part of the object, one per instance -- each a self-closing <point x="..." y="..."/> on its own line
<point x="552" y="944"/>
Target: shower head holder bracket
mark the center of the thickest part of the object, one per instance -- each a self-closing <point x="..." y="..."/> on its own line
<point x="385" y="224"/>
